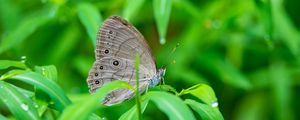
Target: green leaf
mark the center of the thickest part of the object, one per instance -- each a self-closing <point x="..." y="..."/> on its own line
<point x="170" y="104"/>
<point x="51" y="88"/>
<point x="20" y="106"/>
<point x="4" y="64"/>
<point x="26" y="28"/>
<point x="162" y="11"/>
<point x="168" y="88"/>
<point x="42" y="98"/>
<point x="11" y="73"/>
<point x="202" y="92"/>
<point x="131" y="8"/>
<point x="82" y="110"/>
<point x="132" y="114"/>
<point x="206" y="112"/>
<point x="49" y="71"/>
<point x="90" y="18"/>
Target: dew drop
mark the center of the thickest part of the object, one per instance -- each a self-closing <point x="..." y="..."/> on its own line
<point x="162" y="40"/>
<point x="23" y="59"/>
<point x="24" y="107"/>
<point x="215" y="104"/>
<point x="43" y="71"/>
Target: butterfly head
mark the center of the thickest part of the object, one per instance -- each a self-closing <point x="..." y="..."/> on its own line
<point x="156" y="78"/>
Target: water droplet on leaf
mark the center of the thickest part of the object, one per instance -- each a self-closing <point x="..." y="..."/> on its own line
<point x="24" y="107"/>
<point x="215" y="104"/>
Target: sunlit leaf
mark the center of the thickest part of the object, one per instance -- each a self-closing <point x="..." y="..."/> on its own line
<point x="202" y="92"/>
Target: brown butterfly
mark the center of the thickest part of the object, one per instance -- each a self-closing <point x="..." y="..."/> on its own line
<point x="117" y="44"/>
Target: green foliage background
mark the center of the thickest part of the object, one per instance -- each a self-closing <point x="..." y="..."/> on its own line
<point x="247" y="51"/>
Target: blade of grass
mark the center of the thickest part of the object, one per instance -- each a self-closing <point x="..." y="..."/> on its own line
<point x="281" y="89"/>
<point x="20" y="106"/>
<point x="162" y="11"/>
<point x="131" y="8"/>
<point x="137" y="94"/>
<point x="81" y="110"/>
<point x="90" y="18"/>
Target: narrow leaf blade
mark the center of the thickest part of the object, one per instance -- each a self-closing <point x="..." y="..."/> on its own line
<point x="20" y="106"/>
<point x="90" y="18"/>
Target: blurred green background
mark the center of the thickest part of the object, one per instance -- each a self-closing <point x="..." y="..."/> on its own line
<point x="248" y="51"/>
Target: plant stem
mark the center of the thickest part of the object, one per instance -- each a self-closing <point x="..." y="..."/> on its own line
<point x="138" y="103"/>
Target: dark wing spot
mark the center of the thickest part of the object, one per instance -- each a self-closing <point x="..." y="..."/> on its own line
<point x="116" y="63"/>
<point x="101" y="67"/>
<point x="106" y="51"/>
<point x="97" y="82"/>
<point x="110" y="32"/>
<point x="96" y="74"/>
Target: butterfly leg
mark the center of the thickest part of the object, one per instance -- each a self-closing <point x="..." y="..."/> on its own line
<point x="162" y="82"/>
<point x="147" y="88"/>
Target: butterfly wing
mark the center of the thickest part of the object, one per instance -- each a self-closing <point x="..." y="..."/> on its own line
<point x="117" y="44"/>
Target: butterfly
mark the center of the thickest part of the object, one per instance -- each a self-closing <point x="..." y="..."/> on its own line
<point x="117" y="44"/>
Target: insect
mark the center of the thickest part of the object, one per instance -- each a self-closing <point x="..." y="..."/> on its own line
<point x="117" y="44"/>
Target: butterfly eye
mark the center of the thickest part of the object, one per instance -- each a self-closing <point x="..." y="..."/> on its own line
<point x="115" y="63"/>
<point x="96" y="74"/>
<point x="97" y="82"/>
<point x="106" y="51"/>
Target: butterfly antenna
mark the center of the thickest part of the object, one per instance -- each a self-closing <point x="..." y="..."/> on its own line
<point x="169" y="57"/>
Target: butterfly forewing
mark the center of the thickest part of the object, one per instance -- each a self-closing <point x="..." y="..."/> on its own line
<point x="117" y="44"/>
